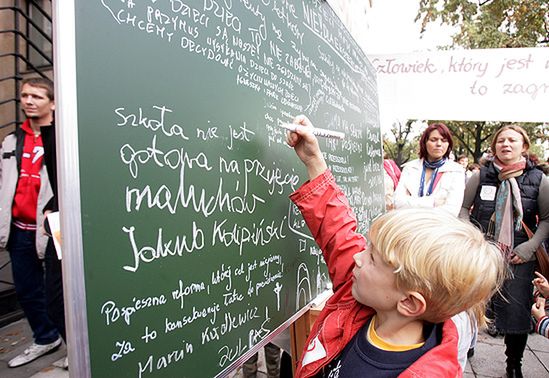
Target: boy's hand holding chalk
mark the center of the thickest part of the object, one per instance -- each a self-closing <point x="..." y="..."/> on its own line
<point x="306" y="146"/>
<point x="316" y="131"/>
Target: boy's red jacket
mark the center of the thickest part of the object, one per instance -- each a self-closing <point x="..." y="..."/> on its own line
<point x="333" y="225"/>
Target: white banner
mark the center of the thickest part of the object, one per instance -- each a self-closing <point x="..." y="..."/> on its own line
<point x="468" y="85"/>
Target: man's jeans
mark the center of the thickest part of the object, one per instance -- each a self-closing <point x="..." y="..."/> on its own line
<point x="54" y="289"/>
<point x="28" y="276"/>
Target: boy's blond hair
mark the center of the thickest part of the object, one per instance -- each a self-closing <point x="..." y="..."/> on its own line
<point x="445" y="259"/>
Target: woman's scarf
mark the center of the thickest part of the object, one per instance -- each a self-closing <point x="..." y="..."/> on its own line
<point x="435" y="165"/>
<point x="507" y="217"/>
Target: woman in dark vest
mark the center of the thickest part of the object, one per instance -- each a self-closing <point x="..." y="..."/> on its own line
<point x="506" y="194"/>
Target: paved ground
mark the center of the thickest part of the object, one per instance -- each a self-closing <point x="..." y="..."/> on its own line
<point x="488" y="361"/>
<point x="14" y="338"/>
<point x="489" y="358"/>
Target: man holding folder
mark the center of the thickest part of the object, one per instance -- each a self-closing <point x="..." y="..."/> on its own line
<point x="24" y="191"/>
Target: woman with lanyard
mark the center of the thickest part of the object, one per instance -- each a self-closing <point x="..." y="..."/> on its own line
<point x="432" y="180"/>
<point x="504" y="196"/>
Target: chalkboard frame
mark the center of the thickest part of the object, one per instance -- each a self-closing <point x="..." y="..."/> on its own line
<point x="69" y="198"/>
<point x="64" y="33"/>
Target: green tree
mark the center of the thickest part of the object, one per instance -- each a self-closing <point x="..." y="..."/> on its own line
<point x="402" y="146"/>
<point x="472" y="137"/>
<point x="490" y="24"/>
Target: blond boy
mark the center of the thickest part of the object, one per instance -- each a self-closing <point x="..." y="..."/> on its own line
<point x="395" y="294"/>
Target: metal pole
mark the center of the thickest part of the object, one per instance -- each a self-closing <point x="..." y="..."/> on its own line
<point x="69" y="186"/>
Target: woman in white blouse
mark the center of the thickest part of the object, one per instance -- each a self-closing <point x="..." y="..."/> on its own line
<point x="433" y="180"/>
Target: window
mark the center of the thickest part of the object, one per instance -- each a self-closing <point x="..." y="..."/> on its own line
<point x="39" y="33"/>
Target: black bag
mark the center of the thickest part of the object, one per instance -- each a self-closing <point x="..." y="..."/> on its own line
<point x="541" y="254"/>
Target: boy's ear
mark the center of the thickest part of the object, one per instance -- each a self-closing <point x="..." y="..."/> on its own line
<point x="412" y="305"/>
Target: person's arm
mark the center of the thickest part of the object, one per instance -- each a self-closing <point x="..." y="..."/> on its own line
<point x="467" y="331"/>
<point x="389" y="191"/>
<point x="396" y="169"/>
<point x="450" y="198"/>
<point x="11" y="145"/>
<point x="1" y="164"/>
<point x="527" y="249"/>
<point x="325" y="209"/>
<point x="542" y="320"/>
<point x="403" y="198"/>
<point x="469" y="195"/>
<point x="541" y="284"/>
<point x="306" y="147"/>
<point x="50" y="160"/>
<point x="9" y="155"/>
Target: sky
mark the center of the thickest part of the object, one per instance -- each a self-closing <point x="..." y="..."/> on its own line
<point x="392" y="29"/>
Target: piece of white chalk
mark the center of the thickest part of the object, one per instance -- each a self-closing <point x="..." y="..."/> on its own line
<point x="315" y="130"/>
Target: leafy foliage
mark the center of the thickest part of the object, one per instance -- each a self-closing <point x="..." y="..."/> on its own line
<point x="404" y="146"/>
<point x="490" y="24"/>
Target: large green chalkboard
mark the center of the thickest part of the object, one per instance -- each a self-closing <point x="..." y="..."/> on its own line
<point x="193" y="254"/>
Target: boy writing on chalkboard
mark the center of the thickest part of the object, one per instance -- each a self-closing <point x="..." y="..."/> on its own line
<point x="395" y="294"/>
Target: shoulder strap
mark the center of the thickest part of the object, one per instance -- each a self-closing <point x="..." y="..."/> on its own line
<point x="527" y="230"/>
<point x="20" y="141"/>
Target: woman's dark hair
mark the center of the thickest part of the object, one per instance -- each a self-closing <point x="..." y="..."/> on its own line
<point x="444" y="132"/>
<point x="473" y="166"/>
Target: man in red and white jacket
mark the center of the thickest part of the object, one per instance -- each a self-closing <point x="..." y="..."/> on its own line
<point x="24" y="191"/>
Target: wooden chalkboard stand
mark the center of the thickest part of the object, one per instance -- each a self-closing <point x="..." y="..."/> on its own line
<point x="301" y="328"/>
